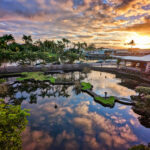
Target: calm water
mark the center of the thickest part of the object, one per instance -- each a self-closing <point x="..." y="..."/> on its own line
<point x="64" y="118"/>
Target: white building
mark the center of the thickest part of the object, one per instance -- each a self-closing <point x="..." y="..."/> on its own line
<point x="141" y="63"/>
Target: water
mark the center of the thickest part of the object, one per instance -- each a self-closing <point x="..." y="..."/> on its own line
<point x="64" y="118"/>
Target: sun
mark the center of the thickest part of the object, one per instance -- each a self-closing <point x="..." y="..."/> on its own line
<point x="142" y="42"/>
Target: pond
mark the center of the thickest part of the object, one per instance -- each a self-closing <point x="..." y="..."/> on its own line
<point x="63" y="117"/>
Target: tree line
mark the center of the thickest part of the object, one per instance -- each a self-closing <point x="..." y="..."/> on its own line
<point x="62" y="51"/>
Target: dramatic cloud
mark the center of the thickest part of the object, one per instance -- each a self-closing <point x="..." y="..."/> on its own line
<point x="142" y="28"/>
<point x="78" y="20"/>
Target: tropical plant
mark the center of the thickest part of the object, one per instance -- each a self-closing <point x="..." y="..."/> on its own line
<point x="27" y="39"/>
<point x="12" y="123"/>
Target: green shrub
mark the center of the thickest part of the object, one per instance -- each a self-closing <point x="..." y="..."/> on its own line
<point x="147" y="97"/>
<point x="143" y="90"/>
<point x="139" y="147"/>
<point x="13" y="121"/>
<point x="2" y="81"/>
<point x="52" y="80"/>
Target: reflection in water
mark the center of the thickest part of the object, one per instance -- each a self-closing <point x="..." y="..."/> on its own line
<point x="64" y="118"/>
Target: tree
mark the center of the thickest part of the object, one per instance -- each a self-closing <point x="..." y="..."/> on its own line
<point x="12" y="123"/>
<point x="91" y="47"/>
<point x="8" y="38"/>
<point x="5" y="40"/>
<point x="132" y="43"/>
<point x="66" y="41"/>
<point x="27" y="39"/>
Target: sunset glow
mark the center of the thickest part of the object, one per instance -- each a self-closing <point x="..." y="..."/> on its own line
<point x="141" y="41"/>
<point x="106" y="23"/>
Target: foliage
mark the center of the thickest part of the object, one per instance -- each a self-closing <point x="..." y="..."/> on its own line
<point x="2" y="81"/>
<point x="52" y="80"/>
<point x="147" y="100"/>
<point x="139" y="147"/>
<point x="118" y="61"/>
<point x="86" y="86"/>
<point x="147" y="97"/>
<point x="32" y="75"/>
<point x="13" y="121"/>
<point x="27" y="39"/>
<point x="142" y="105"/>
<point x="143" y="90"/>
<point x="38" y="76"/>
<point x="48" y="51"/>
<point x="109" y="101"/>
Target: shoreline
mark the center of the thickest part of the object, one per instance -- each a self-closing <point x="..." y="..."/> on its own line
<point x="14" y="71"/>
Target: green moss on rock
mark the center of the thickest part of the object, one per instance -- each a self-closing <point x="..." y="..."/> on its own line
<point x="109" y="101"/>
<point x="86" y="86"/>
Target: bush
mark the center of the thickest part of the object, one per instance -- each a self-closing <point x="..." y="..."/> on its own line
<point x="143" y="90"/>
<point x="139" y="147"/>
<point x="2" y="81"/>
<point x="13" y="121"/>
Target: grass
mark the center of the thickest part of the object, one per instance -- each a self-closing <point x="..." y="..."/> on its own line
<point x="32" y="75"/>
<point x="38" y="76"/>
<point x="109" y="101"/>
<point x="52" y="55"/>
<point x="2" y="81"/>
<point x="86" y="86"/>
<point x="52" y="80"/>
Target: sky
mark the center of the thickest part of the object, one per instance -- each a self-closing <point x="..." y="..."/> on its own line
<point x="106" y="23"/>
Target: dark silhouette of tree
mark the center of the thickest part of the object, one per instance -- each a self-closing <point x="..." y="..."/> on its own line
<point x="131" y="43"/>
<point x="27" y="39"/>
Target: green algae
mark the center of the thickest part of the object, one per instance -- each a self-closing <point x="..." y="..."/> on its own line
<point x="86" y="86"/>
<point x="109" y="101"/>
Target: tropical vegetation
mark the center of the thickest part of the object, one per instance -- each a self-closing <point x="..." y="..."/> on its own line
<point x="61" y="51"/>
<point x="12" y="123"/>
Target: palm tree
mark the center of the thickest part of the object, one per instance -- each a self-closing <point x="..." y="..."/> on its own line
<point x="38" y="43"/>
<point x="132" y="43"/>
<point x="27" y="39"/>
<point x="66" y="41"/>
<point x="5" y="39"/>
<point x="8" y="38"/>
<point x="85" y="45"/>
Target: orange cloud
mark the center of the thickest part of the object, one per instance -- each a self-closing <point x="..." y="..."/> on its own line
<point x="141" y="28"/>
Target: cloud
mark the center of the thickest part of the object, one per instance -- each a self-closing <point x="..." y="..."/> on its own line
<point x="79" y="20"/>
<point x="36" y="139"/>
<point x="110" y="135"/>
<point x="141" y="28"/>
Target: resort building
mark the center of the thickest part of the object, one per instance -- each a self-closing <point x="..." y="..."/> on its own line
<point x="100" y="53"/>
<point x="136" y="63"/>
<point x="132" y="52"/>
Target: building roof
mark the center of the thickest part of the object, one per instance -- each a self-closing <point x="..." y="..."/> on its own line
<point x="145" y="58"/>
